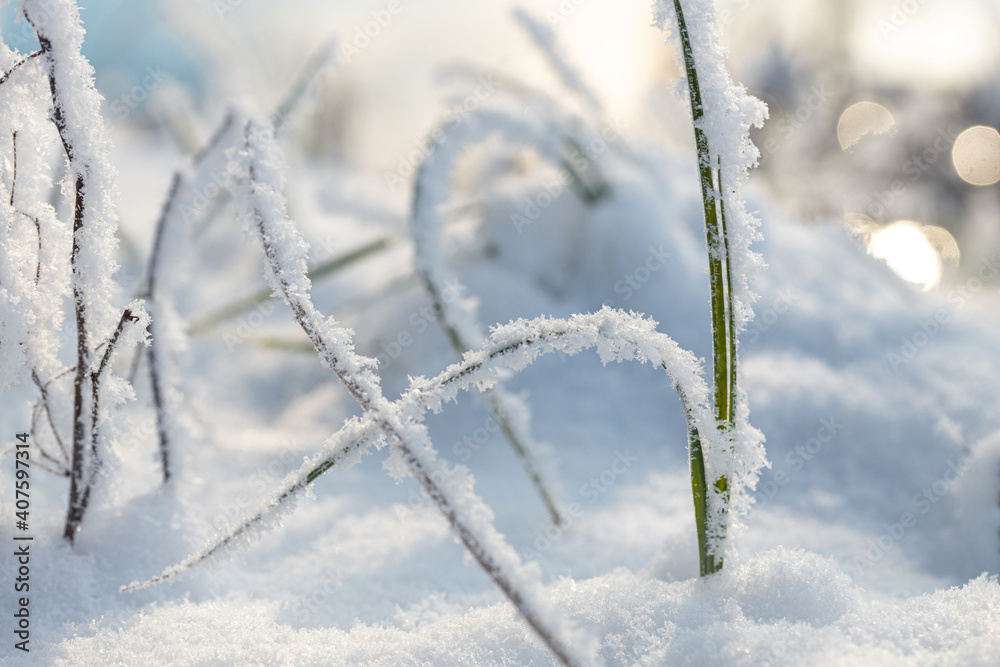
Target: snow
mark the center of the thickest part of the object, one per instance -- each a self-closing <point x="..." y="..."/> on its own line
<point x="781" y="607"/>
<point x="869" y="538"/>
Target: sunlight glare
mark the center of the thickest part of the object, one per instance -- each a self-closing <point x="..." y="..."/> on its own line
<point x="907" y="250"/>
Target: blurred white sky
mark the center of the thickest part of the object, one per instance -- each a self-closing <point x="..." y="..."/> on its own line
<point x="393" y="77"/>
<point x="255" y="47"/>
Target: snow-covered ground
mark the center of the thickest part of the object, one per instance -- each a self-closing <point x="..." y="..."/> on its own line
<point x="875" y="534"/>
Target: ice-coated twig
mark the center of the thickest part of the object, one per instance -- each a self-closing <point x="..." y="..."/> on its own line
<point x="467" y="515"/>
<point x="722" y="114"/>
<point x="591" y="188"/>
<point x="430" y="192"/>
<point x="134" y="317"/>
<point x="31" y="308"/>
<point x="76" y="115"/>
<point x="185" y="181"/>
<point x="33" y="219"/>
<point x="345" y="445"/>
<point x="157" y="299"/>
<point x="470" y="519"/>
<point x="153" y="351"/>
<point x="617" y="336"/>
<point x="63" y="471"/>
<point x="45" y="405"/>
<point x="16" y="66"/>
<point x="48" y="463"/>
<point x="13" y="180"/>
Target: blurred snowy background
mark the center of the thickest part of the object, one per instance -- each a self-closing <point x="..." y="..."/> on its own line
<point x="915" y="73"/>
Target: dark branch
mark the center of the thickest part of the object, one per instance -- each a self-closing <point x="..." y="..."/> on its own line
<point x="95" y="399"/>
<point x="215" y="141"/>
<point x="77" y="492"/>
<point x="288" y="106"/>
<point x="43" y="390"/>
<point x="38" y="226"/>
<point x="13" y="180"/>
<point x="17" y="65"/>
<point x="36" y="409"/>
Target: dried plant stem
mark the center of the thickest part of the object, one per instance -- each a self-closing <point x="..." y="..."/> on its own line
<point x="549" y="337"/>
<point x="77" y="492"/>
<point x="388" y="420"/>
<point x="303" y="87"/>
<point x="43" y="391"/>
<point x="35" y="220"/>
<point x="179" y="184"/>
<point x="71" y="91"/>
<point x="494" y="403"/>
<point x="95" y="395"/>
<point x="425" y="233"/>
<point x="153" y="352"/>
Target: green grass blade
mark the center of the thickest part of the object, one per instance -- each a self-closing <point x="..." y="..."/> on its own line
<point x="723" y="331"/>
<point x="236" y="308"/>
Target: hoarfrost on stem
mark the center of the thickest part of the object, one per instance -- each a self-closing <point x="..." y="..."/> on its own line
<point x="724" y="112"/>
<point x="469" y="517"/>
<point x="75" y="111"/>
<point x="729" y="113"/>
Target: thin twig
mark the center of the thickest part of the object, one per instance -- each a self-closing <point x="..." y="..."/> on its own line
<point x="38" y="226"/>
<point x="178" y="184"/>
<point x="61" y="374"/>
<point x="390" y="424"/>
<point x="349" y="442"/>
<point x="13" y="180"/>
<point x="95" y="395"/>
<point x="46" y="468"/>
<point x="153" y="351"/>
<point x="43" y="390"/>
<point x="425" y="234"/>
<point x="38" y="230"/>
<point x="17" y="65"/>
<point x="35" y="410"/>
<point x="62" y="470"/>
<point x="215" y="141"/>
<point x="134" y="366"/>
<point x="77" y="494"/>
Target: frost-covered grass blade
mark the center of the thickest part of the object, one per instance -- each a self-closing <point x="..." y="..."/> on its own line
<point x="720" y="120"/>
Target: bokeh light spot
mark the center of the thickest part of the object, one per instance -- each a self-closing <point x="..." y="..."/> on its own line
<point x="976" y="155"/>
<point x="861" y="119"/>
